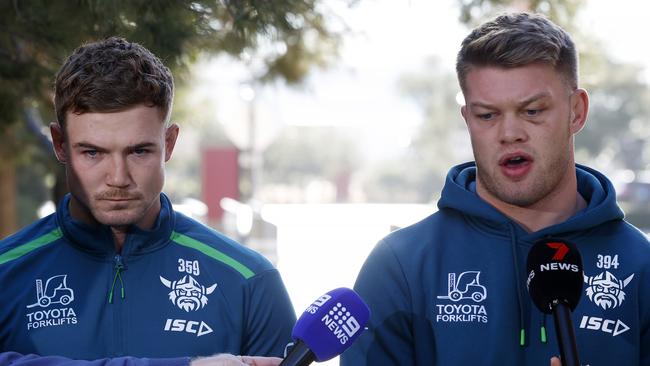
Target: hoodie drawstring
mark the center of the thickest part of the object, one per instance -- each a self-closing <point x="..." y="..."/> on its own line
<point x="522" y="330"/>
<point x="515" y="259"/>
<point x="543" y="329"/>
<point x="118" y="274"/>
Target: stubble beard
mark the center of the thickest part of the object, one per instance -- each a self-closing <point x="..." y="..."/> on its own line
<point x="122" y="217"/>
<point x="534" y="188"/>
<point x="119" y="217"/>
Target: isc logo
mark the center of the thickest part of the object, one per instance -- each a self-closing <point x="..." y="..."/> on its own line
<point x="604" y="325"/>
<point x="189" y="326"/>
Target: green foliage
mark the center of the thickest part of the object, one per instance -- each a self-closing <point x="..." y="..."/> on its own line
<point x="291" y="36"/>
<point x="473" y="12"/>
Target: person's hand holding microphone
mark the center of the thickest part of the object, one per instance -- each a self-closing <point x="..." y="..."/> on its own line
<point x="232" y="360"/>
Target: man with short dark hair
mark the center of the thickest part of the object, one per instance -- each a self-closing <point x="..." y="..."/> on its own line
<point x="117" y="276"/>
<point x="451" y="289"/>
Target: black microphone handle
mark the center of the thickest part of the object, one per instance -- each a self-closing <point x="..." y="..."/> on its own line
<point x="566" y="336"/>
<point x="300" y="355"/>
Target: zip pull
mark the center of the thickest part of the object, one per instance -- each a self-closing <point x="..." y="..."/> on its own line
<point x="118" y="274"/>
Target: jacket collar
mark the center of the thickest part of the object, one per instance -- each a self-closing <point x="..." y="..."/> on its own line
<point x="97" y="240"/>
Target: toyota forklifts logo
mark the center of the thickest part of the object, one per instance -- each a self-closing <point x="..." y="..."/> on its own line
<point x="465" y="293"/>
<point x="55" y="292"/>
<point x="466" y="286"/>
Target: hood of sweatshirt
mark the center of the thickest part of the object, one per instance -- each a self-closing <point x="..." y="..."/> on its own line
<point x="459" y="193"/>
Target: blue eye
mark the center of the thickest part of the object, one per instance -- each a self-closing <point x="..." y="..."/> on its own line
<point x="140" y="151"/>
<point x="486" y="116"/>
<point x="90" y="153"/>
<point x="533" y="112"/>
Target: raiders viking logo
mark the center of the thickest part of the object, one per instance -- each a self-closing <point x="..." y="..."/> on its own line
<point x="187" y="293"/>
<point x="605" y="290"/>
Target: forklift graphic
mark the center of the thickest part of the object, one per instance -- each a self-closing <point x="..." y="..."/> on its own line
<point x="466" y="286"/>
<point x="56" y="291"/>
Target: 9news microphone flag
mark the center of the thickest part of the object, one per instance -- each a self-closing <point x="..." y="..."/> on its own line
<point x="327" y="327"/>
<point x="555" y="284"/>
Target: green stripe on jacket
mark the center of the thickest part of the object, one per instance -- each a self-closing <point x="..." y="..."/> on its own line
<point x="213" y="253"/>
<point x="21" y="250"/>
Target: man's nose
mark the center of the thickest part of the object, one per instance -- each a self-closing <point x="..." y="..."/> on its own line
<point x="119" y="174"/>
<point x="512" y="129"/>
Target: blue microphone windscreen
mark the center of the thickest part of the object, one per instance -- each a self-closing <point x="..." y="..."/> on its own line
<point x="332" y="322"/>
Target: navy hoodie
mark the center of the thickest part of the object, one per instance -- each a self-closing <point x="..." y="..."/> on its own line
<point x="451" y="289"/>
<point x="175" y="291"/>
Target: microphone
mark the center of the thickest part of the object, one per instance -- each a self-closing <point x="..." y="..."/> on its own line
<point x="555" y="284"/>
<point x="327" y="327"/>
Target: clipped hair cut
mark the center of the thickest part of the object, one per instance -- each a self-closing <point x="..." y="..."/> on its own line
<point x="110" y="76"/>
<point x="515" y="40"/>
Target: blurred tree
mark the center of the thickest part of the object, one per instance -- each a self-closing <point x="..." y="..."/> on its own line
<point x="300" y="155"/>
<point x="419" y="175"/>
<point x="563" y="12"/>
<point x="616" y="134"/>
<point x="288" y="37"/>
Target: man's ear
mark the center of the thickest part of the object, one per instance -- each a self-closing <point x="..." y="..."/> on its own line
<point x="171" y="134"/>
<point x="463" y="112"/>
<point x="579" y="110"/>
<point x="58" y="140"/>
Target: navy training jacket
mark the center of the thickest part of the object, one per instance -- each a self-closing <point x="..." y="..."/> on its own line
<point x="176" y="291"/>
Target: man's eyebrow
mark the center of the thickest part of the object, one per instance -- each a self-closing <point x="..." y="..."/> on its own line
<point x="481" y="105"/>
<point x="141" y="145"/>
<point x="86" y="145"/>
<point x="535" y="98"/>
<point x="525" y="102"/>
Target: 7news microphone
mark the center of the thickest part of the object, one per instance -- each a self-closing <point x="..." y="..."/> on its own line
<point x="554" y="282"/>
<point x="327" y="327"/>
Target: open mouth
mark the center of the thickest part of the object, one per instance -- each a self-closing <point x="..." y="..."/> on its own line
<point x="516" y="165"/>
<point x="514" y="161"/>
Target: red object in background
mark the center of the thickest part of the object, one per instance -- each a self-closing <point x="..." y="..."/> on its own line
<point x="220" y="178"/>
